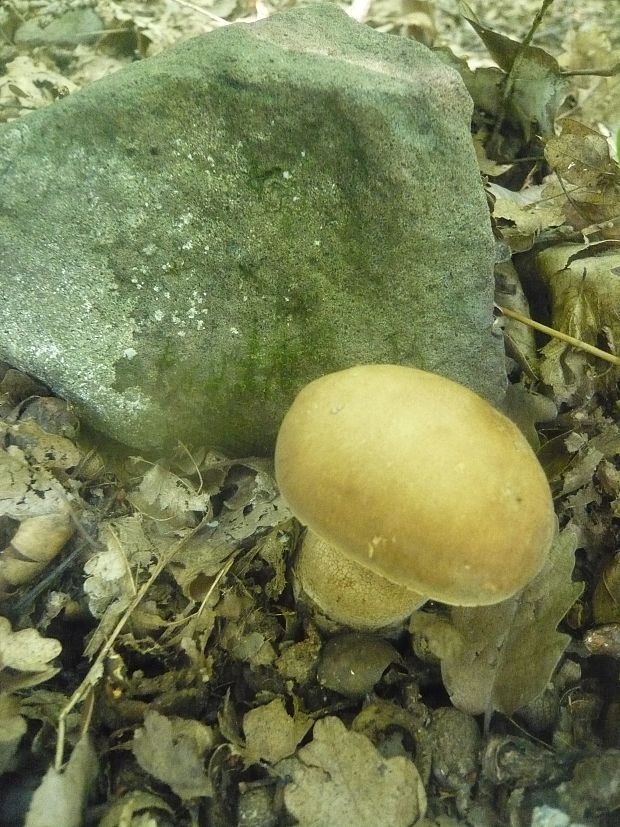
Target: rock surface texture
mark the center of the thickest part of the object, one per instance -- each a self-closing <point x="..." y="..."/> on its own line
<point x="186" y="243"/>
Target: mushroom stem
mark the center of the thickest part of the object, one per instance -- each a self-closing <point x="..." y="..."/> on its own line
<point x="347" y="592"/>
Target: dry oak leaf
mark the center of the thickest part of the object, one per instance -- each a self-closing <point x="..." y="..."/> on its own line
<point x="110" y="573"/>
<point x="27" y="490"/>
<point x="37" y="541"/>
<point x="12" y="728"/>
<point x="161" y="494"/>
<point x="340" y="779"/>
<point x="271" y="733"/>
<point x="42" y="448"/>
<point x="538" y="87"/>
<point x="61" y="797"/>
<point x="172" y="750"/>
<point x="28" y="84"/>
<point x="581" y="158"/>
<point x="584" y="289"/>
<point x="501" y="657"/>
<point x="26" y="654"/>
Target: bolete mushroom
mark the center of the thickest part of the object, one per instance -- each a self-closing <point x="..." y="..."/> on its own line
<point x="411" y="487"/>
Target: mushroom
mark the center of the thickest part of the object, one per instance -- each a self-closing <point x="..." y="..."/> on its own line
<point x="411" y="487"/>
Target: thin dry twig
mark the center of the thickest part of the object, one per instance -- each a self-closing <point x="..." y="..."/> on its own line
<point x="219" y="20"/>
<point x="557" y="334"/>
<point x="606" y="72"/>
<point x="96" y="670"/>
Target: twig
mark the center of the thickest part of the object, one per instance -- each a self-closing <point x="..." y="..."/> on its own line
<point x="607" y="72"/>
<point x="220" y="20"/>
<point x="557" y="334"/>
<point x="96" y="670"/>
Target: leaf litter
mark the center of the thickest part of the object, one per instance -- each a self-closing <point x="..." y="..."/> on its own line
<point x="154" y="600"/>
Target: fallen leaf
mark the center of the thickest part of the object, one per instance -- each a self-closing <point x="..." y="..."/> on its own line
<point x="580" y="156"/>
<point x="28" y="84"/>
<point x="61" y="797"/>
<point x="27" y="490"/>
<point x="524" y="215"/>
<point x="256" y="503"/>
<point x="203" y="557"/>
<point x="340" y="780"/>
<point x="271" y="733"/>
<point x="42" y="448"/>
<point x="37" y="541"/>
<point x="538" y="87"/>
<point x="163" y="494"/>
<point x="298" y="661"/>
<point x="27" y="655"/>
<point x="173" y="751"/>
<point x="111" y="573"/>
<point x="12" y="728"/>
<point x="606" y="597"/>
<point x="584" y="287"/>
<point x="501" y="657"/>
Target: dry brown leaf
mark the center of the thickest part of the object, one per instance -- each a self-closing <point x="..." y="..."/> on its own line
<point x="203" y="557"/>
<point x="340" y="780"/>
<point x="524" y="215"/>
<point x="415" y="18"/>
<point x="112" y="574"/>
<point x="173" y="751"/>
<point x="526" y="409"/>
<point x="606" y="597"/>
<point x="297" y="661"/>
<point x="271" y="733"/>
<point x="27" y="490"/>
<point x="276" y="550"/>
<point x="596" y="97"/>
<point x="255" y="505"/>
<point x="538" y="87"/>
<point x="502" y="656"/>
<point x="61" y="797"/>
<point x="26" y="654"/>
<point x="37" y="541"/>
<point x="582" y="469"/>
<point x="590" y="178"/>
<point x="584" y="284"/>
<point x="157" y="31"/>
<point x="29" y="84"/>
<point x="44" y="449"/>
<point x="164" y="495"/>
<point x="12" y="728"/>
<point x="250" y="646"/>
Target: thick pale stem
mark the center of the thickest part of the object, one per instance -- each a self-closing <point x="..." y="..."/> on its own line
<point x="347" y="592"/>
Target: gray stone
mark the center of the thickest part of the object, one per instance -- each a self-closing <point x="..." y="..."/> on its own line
<point x="186" y="243"/>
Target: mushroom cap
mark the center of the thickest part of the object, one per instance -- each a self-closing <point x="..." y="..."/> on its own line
<point x="418" y="479"/>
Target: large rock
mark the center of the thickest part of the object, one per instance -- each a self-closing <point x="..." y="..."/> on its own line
<point x="186" y="243"/>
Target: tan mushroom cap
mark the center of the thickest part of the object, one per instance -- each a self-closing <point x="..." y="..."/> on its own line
<point x="419" y="479"/>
